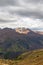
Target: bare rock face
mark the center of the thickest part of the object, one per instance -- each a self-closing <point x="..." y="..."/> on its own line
<point x="22" y="30"/>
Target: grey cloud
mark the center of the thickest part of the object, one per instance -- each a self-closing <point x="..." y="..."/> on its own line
<point x="5" y="21"/>
<point x="17" y="2"/>
<point x="34" y="14"/>
<point x="28" y="13"/>
<point x="8" y="2"/>
<point x="33" y="1"/>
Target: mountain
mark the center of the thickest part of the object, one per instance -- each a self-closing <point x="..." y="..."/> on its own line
<point x="22" y="30"/>
<point x="39" y="32"/>
<point x="28" y="58"/>
<point x="19" y="40"/>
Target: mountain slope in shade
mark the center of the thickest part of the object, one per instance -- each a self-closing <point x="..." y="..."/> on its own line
<point x="12" y="40"/>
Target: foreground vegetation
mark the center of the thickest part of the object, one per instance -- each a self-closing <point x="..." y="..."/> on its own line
<point x="29" y="58"/>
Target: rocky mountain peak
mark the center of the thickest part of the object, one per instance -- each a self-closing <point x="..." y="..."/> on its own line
<point x="22" y="30"/>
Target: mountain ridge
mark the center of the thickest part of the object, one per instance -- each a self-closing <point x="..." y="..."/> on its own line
<point x="11" y="40"/>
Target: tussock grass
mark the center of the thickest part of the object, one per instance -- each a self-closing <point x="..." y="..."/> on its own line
<point x="29" y="58"/>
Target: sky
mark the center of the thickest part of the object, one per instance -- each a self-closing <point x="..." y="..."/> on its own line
<point x="21" y="13"/>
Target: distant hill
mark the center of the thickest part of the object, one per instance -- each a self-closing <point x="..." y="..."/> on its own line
<point x="39" y="32"/>
<point x="15" y="40"/>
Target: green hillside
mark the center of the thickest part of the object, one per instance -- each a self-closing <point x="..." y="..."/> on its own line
<point x="28" y="58"/>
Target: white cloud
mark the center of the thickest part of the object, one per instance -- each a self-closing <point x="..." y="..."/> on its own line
<point x="24" y="22"/>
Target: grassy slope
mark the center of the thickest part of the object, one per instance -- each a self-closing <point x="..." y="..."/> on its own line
<point x="28" y="58"/>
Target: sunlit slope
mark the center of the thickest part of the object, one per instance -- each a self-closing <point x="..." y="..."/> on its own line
<point x="32" y="58"/>
<point x="28" y="58"/>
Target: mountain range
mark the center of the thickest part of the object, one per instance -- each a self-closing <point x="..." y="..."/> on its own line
<point x="20" y="39"/>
